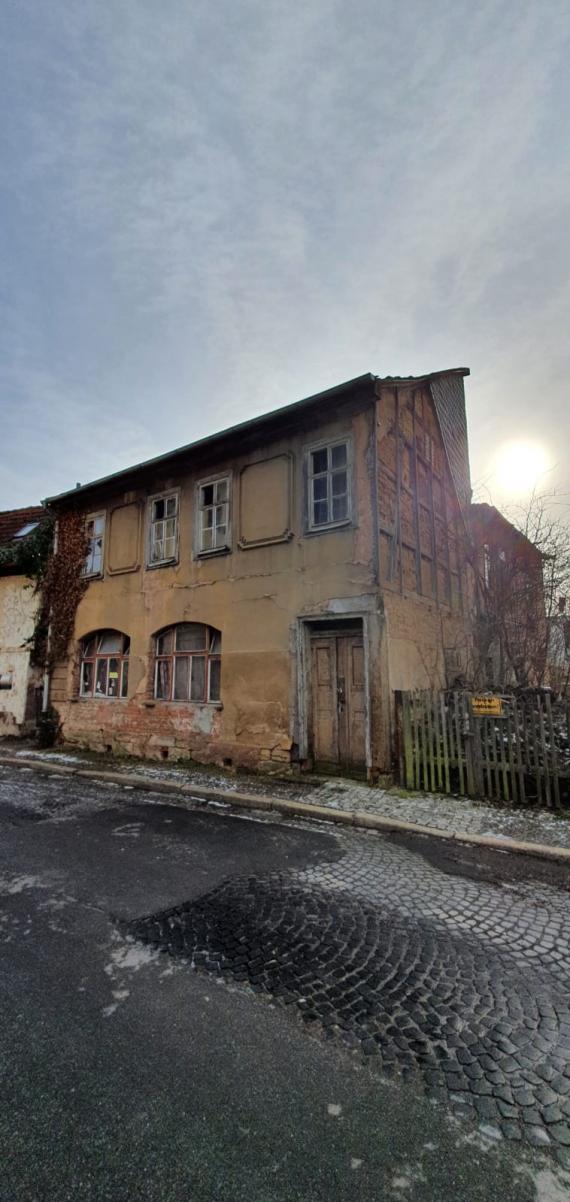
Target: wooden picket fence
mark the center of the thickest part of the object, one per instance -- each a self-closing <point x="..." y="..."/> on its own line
<point x="522" y="756"/>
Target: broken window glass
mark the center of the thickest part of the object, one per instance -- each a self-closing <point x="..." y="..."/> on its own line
<point x="164" y="529"/>
<point x="214" y="515"/>
<point x="86" y="679"/>
<point x="95" y="531"/>
<point x="162" y="690"/>
<point x="101" y="678"/>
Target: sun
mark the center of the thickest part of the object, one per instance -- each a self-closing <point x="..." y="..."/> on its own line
<point x="520" y="467"/>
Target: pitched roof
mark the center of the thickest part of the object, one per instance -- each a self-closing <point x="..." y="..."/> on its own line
<point x="453" y="405"/>
<point x="14" y="520"/>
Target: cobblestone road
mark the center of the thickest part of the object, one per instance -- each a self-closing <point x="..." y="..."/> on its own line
<point x="463" y="982"/>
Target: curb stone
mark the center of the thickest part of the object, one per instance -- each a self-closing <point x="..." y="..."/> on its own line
<point x="300" y="809"/>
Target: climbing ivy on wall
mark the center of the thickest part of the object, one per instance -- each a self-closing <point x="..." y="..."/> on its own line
<point x="61" y="586"/>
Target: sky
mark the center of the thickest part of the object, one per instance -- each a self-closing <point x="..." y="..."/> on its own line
<point x="210" y="210"/>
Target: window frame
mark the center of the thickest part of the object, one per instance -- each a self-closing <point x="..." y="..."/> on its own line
<point x="92" y="517"/>
<point x="172" y="559"/>
<point x="104" y="657"/>
<point x="312" y="527"/>
<point x="207" y="552"/>
<point x="173" y="655"/>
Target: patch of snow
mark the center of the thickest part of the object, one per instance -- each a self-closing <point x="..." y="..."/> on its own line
<point x="59" y="756"/>
<point x="18" y="884"/>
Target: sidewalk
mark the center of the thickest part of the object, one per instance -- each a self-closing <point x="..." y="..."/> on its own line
<point x="449" y="815"/>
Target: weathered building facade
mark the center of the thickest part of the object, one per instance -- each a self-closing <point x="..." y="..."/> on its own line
<point x="255" y="598"/>
<point x="511" y="633"/>
<point x="19" y="682"/>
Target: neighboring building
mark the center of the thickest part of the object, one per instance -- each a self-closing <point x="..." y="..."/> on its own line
<point x="511" y="633"/>
<point x="255" y="598"/>
<point x="19" y="683"/>
<point x="559" y="649"/>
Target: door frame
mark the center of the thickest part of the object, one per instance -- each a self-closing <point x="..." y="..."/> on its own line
<point x="331" y="623"/>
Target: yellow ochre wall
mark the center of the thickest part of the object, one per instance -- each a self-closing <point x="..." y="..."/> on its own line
<point x="254" y="596"/>
<point x="405" y="579"/>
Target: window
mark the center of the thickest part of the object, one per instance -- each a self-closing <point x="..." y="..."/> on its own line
<point x="27" y="529"/>
<point x="329" y="494"/>
<point x="163" y="540"/>
<point x="105" y="664"/>
<point x="95" y="531"/>
<point x="214" y="516"/>
<point x="187" y="665"/>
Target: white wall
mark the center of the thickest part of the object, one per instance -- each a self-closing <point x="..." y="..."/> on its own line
<point x="18" y="607"/>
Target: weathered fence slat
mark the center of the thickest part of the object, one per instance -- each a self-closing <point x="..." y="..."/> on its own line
<point x="512" y="757"/>
<point x="519" y="748"/>
<point x="553" y="750"/>
<point x="545" y="758"/>
<point x="445" y="744"/>
<point x="445" y="751"/>
<point x="535" y="768"/>
<point x="459" y="742"/>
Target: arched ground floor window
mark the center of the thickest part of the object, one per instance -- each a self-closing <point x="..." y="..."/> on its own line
<point x="188" y="663"/>
<point x="104" y="664"/>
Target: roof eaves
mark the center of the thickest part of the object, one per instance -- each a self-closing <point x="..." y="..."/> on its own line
<point x="210" y="440"/>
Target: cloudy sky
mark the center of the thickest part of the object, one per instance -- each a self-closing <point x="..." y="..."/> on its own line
<point x="209" y="210"/>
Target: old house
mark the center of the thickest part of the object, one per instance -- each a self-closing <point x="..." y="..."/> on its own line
<point x="255" y="598"/>
<point x="510" y="629"/>
<point x="20" y="684"/>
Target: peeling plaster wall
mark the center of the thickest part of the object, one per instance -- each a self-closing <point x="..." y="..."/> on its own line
<point x="253" y="595"/>
<point x="18" y="607"/>
<point x="277" y="578"/>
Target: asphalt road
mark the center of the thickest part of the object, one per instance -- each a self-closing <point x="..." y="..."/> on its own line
<point x="126" y="1074"/>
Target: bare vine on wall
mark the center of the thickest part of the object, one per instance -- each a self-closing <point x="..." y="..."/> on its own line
<point x="61" y="589"/>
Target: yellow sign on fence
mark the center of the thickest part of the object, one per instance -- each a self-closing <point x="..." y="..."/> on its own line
<point x="484" y="707"/>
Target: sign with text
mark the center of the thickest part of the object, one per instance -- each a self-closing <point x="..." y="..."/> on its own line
<point x="484" y="707"/>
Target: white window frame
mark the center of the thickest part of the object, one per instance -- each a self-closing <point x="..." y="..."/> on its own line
<point x="223" y="549"/>
<point x="92" y="517"/>
<point x="162" y="496"/>
<point x="328" y="444"/>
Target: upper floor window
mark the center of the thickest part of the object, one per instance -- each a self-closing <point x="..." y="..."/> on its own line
<point x="105" y="664"/>
<point x="214" y="515"/>
<point x="329" y="485"/>
<point x="95" y="533"/>
<point x="163" y="534"/>
<point x="188" y="664"/>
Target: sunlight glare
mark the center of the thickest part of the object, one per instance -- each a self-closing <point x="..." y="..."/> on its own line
<point x="520" y="467"/>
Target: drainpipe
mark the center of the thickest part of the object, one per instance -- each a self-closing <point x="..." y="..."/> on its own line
<point x="47" y="674"/>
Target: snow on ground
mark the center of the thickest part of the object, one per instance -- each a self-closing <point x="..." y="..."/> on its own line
<point x="450" y="814"/>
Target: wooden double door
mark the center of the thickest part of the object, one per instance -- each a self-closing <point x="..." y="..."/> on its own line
<point x="338" y="702"/>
